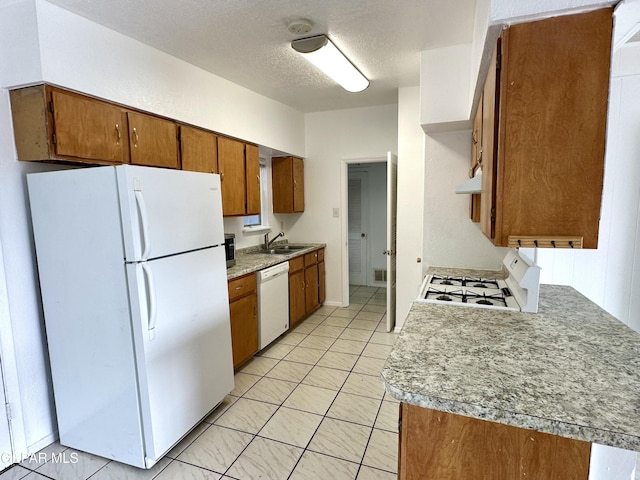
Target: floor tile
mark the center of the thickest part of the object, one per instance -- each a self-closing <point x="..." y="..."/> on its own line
<point x="41" y="457"/>
<point x="304" y="355"/>
<point x="368" y="473"/>
<point x="374" y="308"/>
<point x="356" y="409"/>
<point x="382" y="451"/>
<point x="336" y="322"/>
<point x="327" y="331"/>
<point x="340" y="439"/>
<point x="291" y="426"/>
<point x="326" y="377"/>
<point x="389" y="398"/>
<point x="319" y="343"/>
<point x="184" y="471"/>
<point x="315" y="319"/>
<point x="15" y="473"/>
<point x="315" y="466"/>
<point x="377" y="301"/>
<point x="365" y="385"/>
<point x="120" y="471"/>
<point x="290" y="371"/>
<point x="377" y="351"/>
<point x="356" y="334"/>
<point x="360" y="297"/>
<point x="70" y="469"/>
<point x="370" y="316"/>
<point x="216" y="449"/>
<point x="270" y="390"/>
<point x="277" y="351"/>
<point x="243" y="382"/>
<point x="325" y="310"/>
<point x="259" y="365"/>
<point x="341" y="361"/>
<point x="223" y="407"/>
<point x="388" y="417"/>
<point x="367" y="289"/>
<point x="352" y="306"/>
<point x="363" y="325"/>
<point x="35" y="476"/>
<point x="344" y="313"/>
<point x="369" y="366"/>
<point x="188" y="440"/>
<point x="291" y="338"/>
<point x="305" y="328"/>
<point x="382" y="326"/>
<point x="251" y="465"/>
<point x="247" y="415"/>
<point x="347" y="346"/>
<point x="384" y="338"/>
<point x="310" y="399"/>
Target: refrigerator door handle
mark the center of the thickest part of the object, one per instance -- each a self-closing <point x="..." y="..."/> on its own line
<point x="151" y="295"/>
<point x="144" y="219"/>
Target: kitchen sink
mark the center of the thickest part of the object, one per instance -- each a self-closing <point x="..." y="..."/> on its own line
<point x="280" y="250"/>
<point x="290" y="247"/>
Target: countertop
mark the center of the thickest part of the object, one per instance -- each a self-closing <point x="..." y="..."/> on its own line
<point x="248" y="261"/>
<point x="571" y="369"/>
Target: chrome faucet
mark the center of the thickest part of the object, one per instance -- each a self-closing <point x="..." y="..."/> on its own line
<point x="267" y="242"/>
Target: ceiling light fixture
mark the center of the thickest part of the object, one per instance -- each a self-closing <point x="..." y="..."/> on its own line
<point x="320" y="51"/>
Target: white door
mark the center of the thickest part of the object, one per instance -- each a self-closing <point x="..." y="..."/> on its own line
<point x="6" y="451"/>
<point x="357" y="224"/>
<point x="392" y="214"/>
<point x="168" y="211"/>
<point x="183" y="342"/>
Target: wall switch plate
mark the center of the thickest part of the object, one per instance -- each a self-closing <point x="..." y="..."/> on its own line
<point x="336" y="212"/>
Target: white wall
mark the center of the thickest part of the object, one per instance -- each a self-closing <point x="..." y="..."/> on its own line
<point x="410" y="226"/>
<point x="331" y="137"/>
<point x="610" y="275"/>
<point x="40" y="42"/>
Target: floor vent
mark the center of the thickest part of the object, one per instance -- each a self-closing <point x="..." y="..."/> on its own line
<point x="379" y="275"/>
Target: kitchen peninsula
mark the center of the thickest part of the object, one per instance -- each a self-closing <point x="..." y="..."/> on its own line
<point x="494" y="394"/>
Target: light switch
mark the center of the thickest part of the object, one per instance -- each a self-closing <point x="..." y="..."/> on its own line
<point x="336" y="212"/>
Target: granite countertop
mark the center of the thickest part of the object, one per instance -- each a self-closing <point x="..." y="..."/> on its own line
<point x="248" y="261"/>
<point x="571" y="369"/>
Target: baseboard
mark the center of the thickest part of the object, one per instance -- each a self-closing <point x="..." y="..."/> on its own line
<point x="332" y="304"/>
<point x="43" y="442"/>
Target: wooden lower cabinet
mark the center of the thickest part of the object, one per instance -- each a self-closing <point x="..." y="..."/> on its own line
<point x="297" y="303"/>
<point x="306" y="285"/>
<point x="322" y="291"/>
<point x="244" y="318"/>
<point x="445" y="446"/>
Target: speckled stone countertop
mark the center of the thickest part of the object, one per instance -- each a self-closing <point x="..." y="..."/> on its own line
<point x="249" y="261"/>
<point x="571" y="369"/>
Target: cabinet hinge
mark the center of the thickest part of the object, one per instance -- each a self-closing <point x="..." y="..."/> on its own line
<point x="493" y="214"/>
<point x="51" y="106"/>
<point x="498" y="61"/>
<point x="53" y="138"/>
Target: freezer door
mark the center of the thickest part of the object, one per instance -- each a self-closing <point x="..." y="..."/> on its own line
<point x="183" y="343"/>
<point x="166" y="211"/>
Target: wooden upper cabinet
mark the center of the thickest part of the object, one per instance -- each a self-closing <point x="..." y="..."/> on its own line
<point x="54" y="124"/>
<point x="252" y="168"/>
<point x="551" y="93"/>
<point x="288" y="184"/>
<point x="232" y="175"/>
<point x="476" y="160"/>
<point x="198" y="150"/>
<point x="153" y="141"/>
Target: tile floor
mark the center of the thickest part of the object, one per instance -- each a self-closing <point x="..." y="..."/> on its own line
<point x="311" y="406"/>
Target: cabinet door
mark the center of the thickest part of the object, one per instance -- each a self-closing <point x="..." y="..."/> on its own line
<point x="153" y="141"/>
<point x="252" y="162"/>
<point x="244" y="328"/>
<point x="297" y="299"/>
<point x="490" y="105"/>
<point x="199" y="150"/>
<point x="322" y="295"/>
<point x="232" y="176"/>
<point x="311" y="287"/>
<point x="298" y="185"/>
<point x="88" y="129"/>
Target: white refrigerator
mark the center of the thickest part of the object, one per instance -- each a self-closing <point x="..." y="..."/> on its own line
<point x="133" y="279"/>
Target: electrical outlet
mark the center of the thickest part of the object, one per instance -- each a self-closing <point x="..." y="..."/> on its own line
<point x="336" y="212"/>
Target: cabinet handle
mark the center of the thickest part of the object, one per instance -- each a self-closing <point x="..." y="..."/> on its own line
<point x="135" y="138"/>
<point x="221" y="176"/>
<point x="474" y="138"/>
<point x="258" y="177"/>
<point x="240" y="287"/>
<point x="118" y="132"/>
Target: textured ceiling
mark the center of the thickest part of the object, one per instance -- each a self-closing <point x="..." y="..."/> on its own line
<point x="247" y="41"/>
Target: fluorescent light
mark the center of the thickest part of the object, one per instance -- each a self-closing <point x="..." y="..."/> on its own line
<point x="325" y="55"/>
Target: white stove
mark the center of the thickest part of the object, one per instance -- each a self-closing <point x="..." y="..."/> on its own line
<point x="518" y="292"/>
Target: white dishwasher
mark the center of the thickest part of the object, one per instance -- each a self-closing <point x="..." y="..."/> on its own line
<point x="273" y="302"/>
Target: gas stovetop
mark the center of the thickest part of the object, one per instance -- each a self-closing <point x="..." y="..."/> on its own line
<point x="519" y="291"/>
